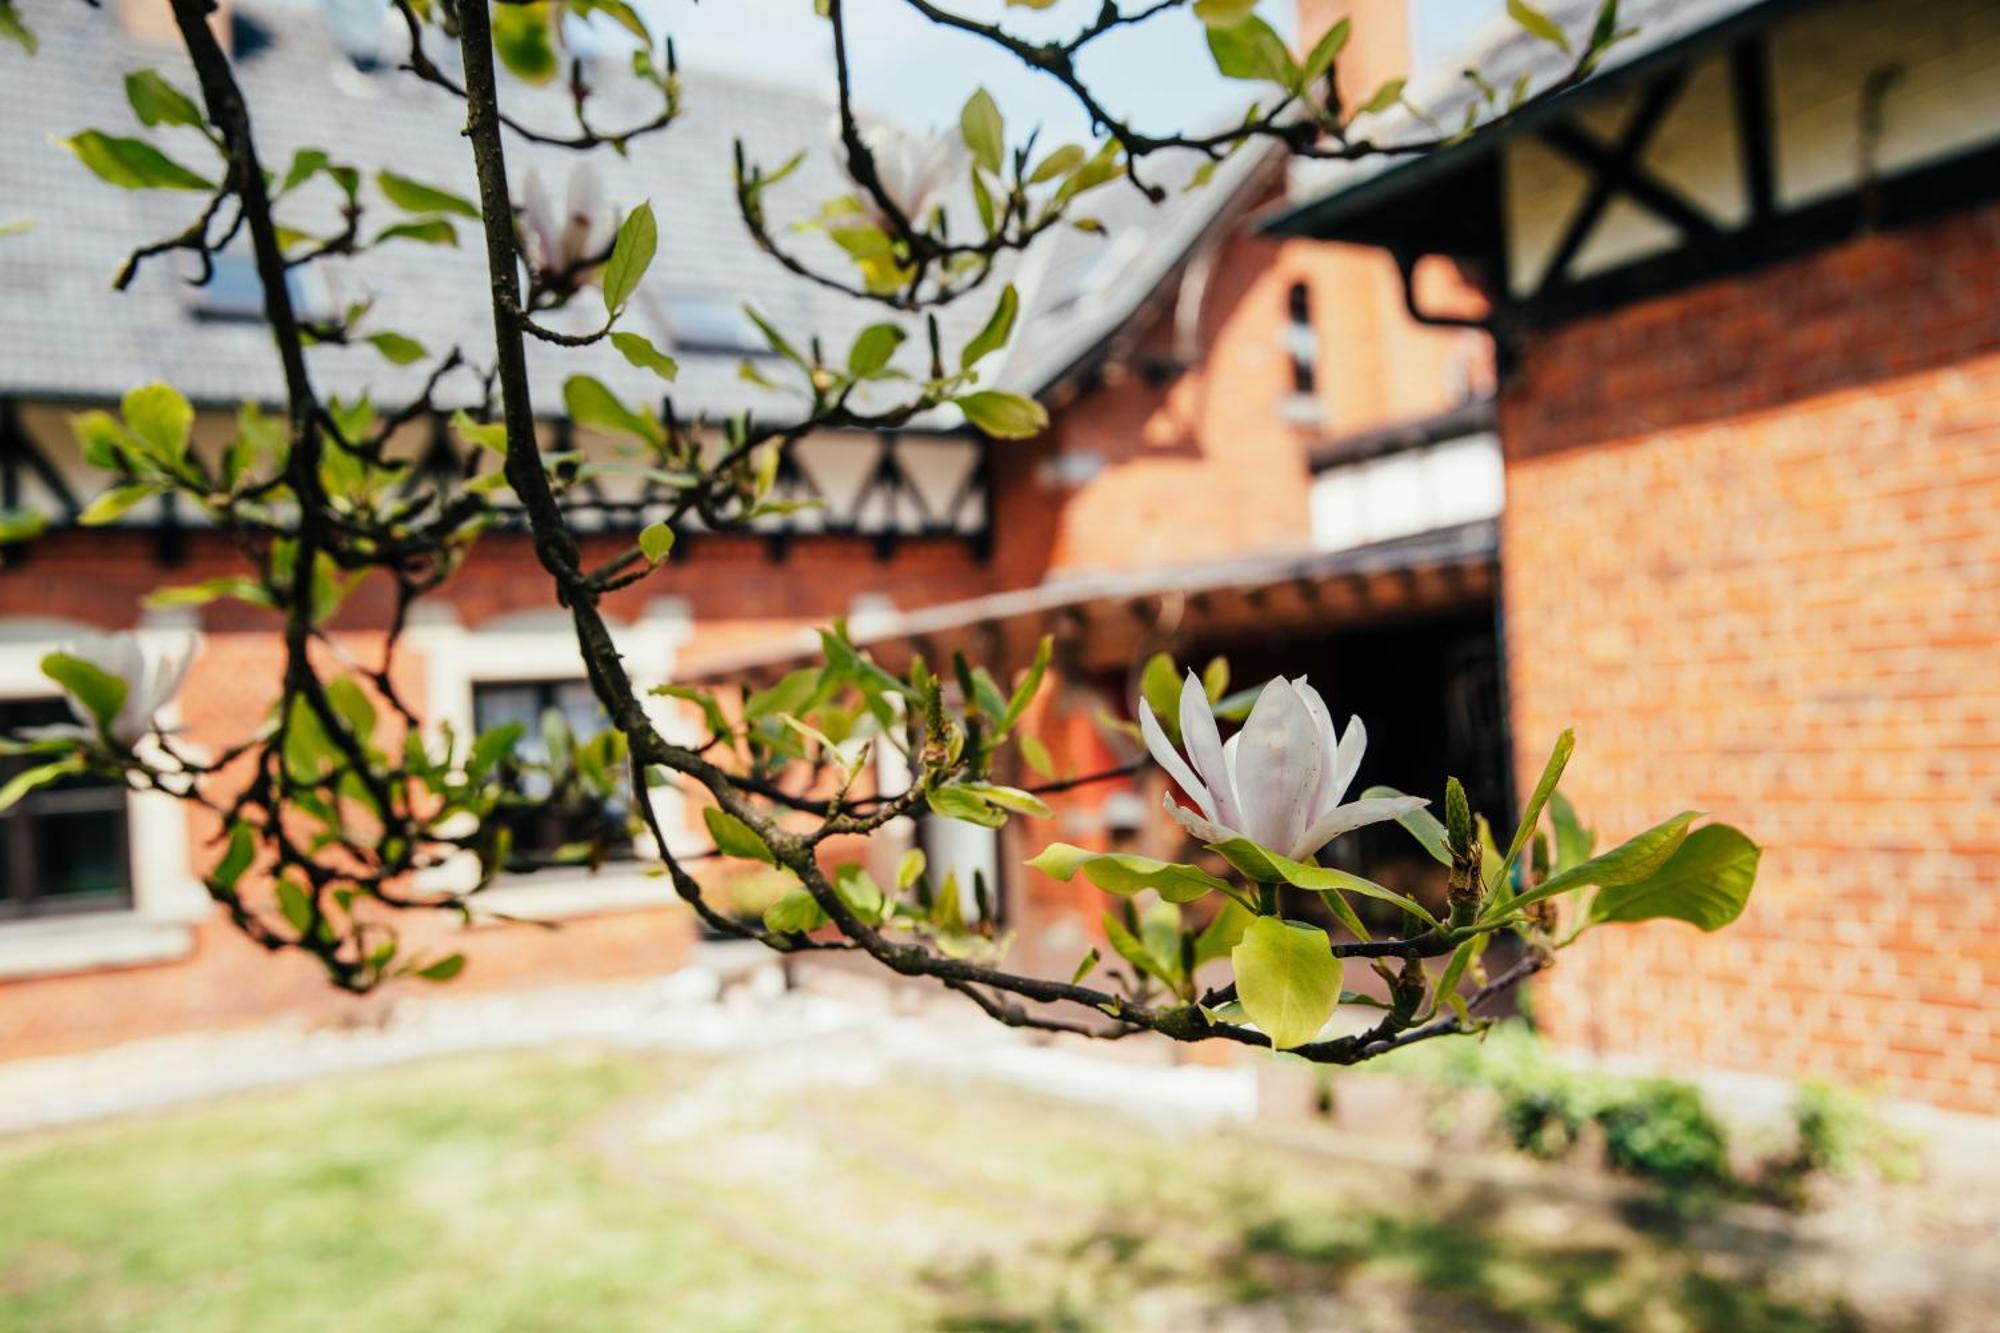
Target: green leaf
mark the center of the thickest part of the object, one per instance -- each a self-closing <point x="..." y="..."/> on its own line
<point x="999" y="327"/>
<point x="1125" y="874"/>
<point x="711" y="711"/>
<point x="132" y="164"/>
<point x="160" y="418"/>
<point x="631" y="255"/>
<point x="305" y="164"/>
<point x="1574" y="842"/>
<point x="774" y="339"/>
<point x="1224" y="933"/>
<point x="351" y="702"/>
<point x="237" y="857"/>
<point x="960" y="803"/>
<point x="493" y="745"/>
<point x="1629" y="862"/>
<point x="797" y="913"/>
<point x="863" y="896"/>
<point x="1133" y="951"/>
<point x="1160" y="690"/>
<point x="396" y="348"/>
<point x="909" y="869"/>
<point x="157" y="102"/>
<point x="985" y="132"/>
<point x="101" y="693"/>
<point x="1706" y="882"/>
<point x="1324" y="52"/>
<point x="297" y="908"/>
<point x="1002" y="415"/>
<point x="639" y="350"/>
<point x="1531" y="815"/>
<point x="115" y="503"/>
<point x="444" y="969"/>
<point x="1086" y="967"/>
<point x="524" y="39"/>
<point x="655" y="541"/>
<point x="20" y="525"/>
<point x="14" y="30"/>
<point x="1287" y="979"/>
<point x="1390" y="93"/>
<point x="414" y="196"/>
<point x="1538" y="24"/>
<point x="425" y="231"/>
<point x="39" y="776"/>
<point x="1268" y="867"/>
<point x="486" y="434"/>
<point x="591" y="405"/>
<point x="1422" y="824"/>
<point x="872" y="348"/>
<point x="1011" y="798"/>
<point x="733" y="837"/>
<point x="1223" y="13"/>
<point x="792" y="694"/>
<point x="1059" y="162"/>
<point x="1024" y="693"/>
<point x="1160" y="930"/>
<point x="1253" y="50"/>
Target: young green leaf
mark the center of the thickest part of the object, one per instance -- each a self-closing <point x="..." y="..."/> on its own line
<point x="999" y="327"/>
<point x="424" y="231"/>
<point x="1287" y="979"/>
<point x="39" y="776"/>
<point x="1004" y="416"/>
<point x="157" y="102"/>
<point x="961" y="803"/>
<point x="733" y="837"/>
<point x="1125" y="874"/>
<point x="1538" y="24"/>
<point x="797" y="913"/>
<point x="132" y="164"/>
<point x="115" y="503"/>
<point x="1324" y="52"/>
<point x="1424" y="826"/>
<point x="397" y="348"/>
<point x="1531" y="815"/>
<point x="873" y="346"/>
<point x="631" y="255"/>
<point x="1252" y="50"/>
<point x="524" y="39"/>
<point x="639" y="350"/>
<point x="416" y="197"/>
<point x="656" y="541"/>
<point x="984" y="131"/>
<point x="1706" y="882"/>
<point x="101" y="693"/>
<point x="1383" y="98"/>
<point x="160" y="418"/>
<point x="591" y="405"/>
<point x="1628" y="863"/>
<point x="444" y="969"/>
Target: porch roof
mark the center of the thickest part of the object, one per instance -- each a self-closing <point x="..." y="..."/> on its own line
<point x="1106" y="620"/>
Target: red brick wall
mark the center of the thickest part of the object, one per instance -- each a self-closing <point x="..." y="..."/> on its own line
<point x="1751" y="553"/>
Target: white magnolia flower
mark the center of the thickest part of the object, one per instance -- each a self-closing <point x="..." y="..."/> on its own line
<point x="152" y="674"/>
<point x="558" y="244"/>
<point x="1278" y="782"/>
<point x="913" y="169"/>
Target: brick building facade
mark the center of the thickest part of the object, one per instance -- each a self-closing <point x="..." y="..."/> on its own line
<point x="1744" y="289"/>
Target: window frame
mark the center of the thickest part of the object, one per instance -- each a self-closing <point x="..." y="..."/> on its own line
<point x="20" y="895"/>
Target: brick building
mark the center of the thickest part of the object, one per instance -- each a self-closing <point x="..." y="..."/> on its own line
<point x="1744" y="285"/>
<point x="1196" y="371"/>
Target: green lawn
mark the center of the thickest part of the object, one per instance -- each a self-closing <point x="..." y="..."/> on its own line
<point x="608" y="1192"/>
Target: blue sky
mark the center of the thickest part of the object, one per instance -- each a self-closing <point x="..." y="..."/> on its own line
<point x="907" y="69"/>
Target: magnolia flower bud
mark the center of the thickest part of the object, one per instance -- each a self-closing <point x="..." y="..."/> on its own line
<point x="1279" y="781"/>
<point x="566" y="249"/>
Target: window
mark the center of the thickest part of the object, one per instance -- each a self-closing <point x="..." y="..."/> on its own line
<point x="234" y="293"/>
<point x="560" y="816"/>
<point x="1301" y="343"/>
<point x="712" y="322"/>
<point x="63" y="846"/>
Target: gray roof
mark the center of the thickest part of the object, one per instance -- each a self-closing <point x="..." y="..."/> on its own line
<point x="64" y="333"/>
<point x="1507" y="52"/>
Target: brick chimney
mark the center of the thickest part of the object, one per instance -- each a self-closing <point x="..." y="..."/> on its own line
<point x="1378" y="48"/>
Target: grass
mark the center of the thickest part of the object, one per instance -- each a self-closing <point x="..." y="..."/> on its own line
<point x="588" y="1191"/>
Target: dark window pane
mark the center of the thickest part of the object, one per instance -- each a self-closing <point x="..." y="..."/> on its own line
<point x="80" y="853"/>
<point x="569" y="815"/>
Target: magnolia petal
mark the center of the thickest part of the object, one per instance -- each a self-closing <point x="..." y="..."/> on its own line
<point x="586" y="216"/>
<point x="1201" y="830"/>
<point x="1204" y="748"/>
<point x="539" y="221"/>
<point x="1347" y="818"/>
<point x="1277" y="767"/>
<point x="1324" y="798"/>
<point x="1346" y="762"/>
<point x="1165" y="756"/>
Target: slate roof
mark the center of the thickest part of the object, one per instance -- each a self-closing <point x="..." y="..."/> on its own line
<point x="1502" y="55"/>
<point x="64" y="333"/>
